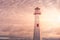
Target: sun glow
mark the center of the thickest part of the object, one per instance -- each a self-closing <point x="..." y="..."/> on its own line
<point x="51" y="15"/>
<point x="50" y="21"/>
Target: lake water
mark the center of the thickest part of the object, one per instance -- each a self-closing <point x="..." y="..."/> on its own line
<point x="15" y="38"/>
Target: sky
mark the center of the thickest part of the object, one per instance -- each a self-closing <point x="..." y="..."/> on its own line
<point x="17" y="17"/>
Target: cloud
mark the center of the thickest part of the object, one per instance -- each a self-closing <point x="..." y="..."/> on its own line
<point x="19" y="13"/>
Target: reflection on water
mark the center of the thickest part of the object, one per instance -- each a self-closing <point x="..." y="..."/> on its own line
<point x="17" y="38"/>
<point x="23" y="38"/>
<point x="14" y="38"/>
<point x="50" y="38"/>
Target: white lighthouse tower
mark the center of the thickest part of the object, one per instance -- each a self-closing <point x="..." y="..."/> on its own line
<point x="36" y="35"/>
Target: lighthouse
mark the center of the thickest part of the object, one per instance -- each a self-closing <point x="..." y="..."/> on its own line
<point x="36" y="35"/>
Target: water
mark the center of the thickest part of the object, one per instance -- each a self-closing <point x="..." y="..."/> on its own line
<point x="50" y="38"/>
<point x="13" y="38"/>
<point x="23" y="38"/>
